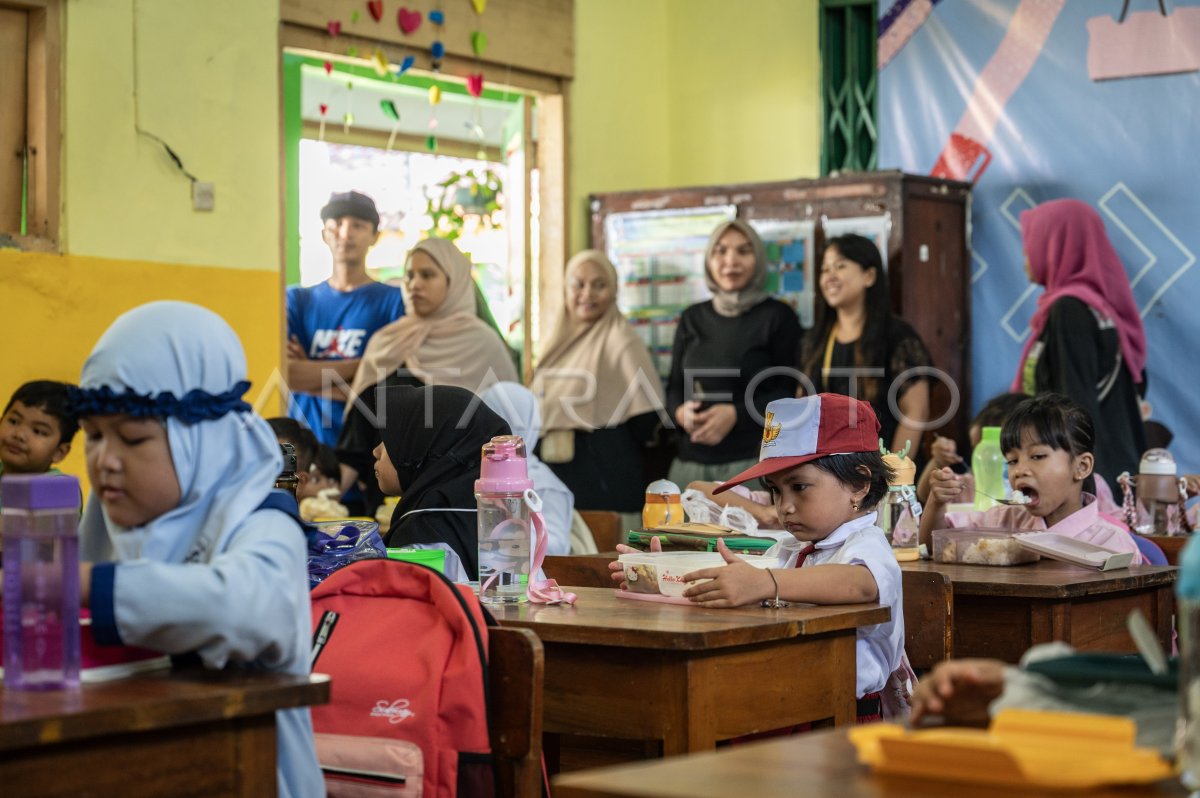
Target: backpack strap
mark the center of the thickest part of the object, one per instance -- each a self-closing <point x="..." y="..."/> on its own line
<point x="284" y="502"/>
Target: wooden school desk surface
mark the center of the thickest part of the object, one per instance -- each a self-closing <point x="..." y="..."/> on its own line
<point x="155" y="734"/>
<point x="817" y="765"/>
<point x="1002" y="611"/>
<point x="688" y="676"/>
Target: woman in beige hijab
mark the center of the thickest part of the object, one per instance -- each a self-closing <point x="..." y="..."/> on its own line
<point x="440" y="341"/>
<point x="717" y="393"/>
<point x="601" y="396"/>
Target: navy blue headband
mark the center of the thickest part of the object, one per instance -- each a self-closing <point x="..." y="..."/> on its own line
<point x="196" y="405"/>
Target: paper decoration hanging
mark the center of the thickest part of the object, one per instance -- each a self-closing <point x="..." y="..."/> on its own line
<point x="389" y="110"/>
<point x="475" y="84"/>
<point x="408" y="20"/>
<point x="376" y="9"/>
<point x="354" y="17"/>
<point x="480" y="6"/>
<point x="406" y="64"/>
<point x="435" y="94"/>
<point x="324" y="108"/>
<point x="328" y="67"/>
<point x="437" y="50"/>
<point x="348" y="116"/>
<point x="352" y="51"/>
<point x="437" y="17"/>
<point x="334" y="27"/>
<point x="479" y="42"/>
<point x="431" y="143"/>
<point x="380" y="62"/>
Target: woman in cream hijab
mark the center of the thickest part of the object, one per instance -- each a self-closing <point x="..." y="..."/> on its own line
<point x="441" y="341"/>
<point x="601" y="395"/>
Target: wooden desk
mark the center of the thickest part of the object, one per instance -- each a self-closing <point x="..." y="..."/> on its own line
<point x="188" y="732"/>
<point x="689" y="676"/>
<point x="818" y="765"/>
<point x="1000" y="612"/>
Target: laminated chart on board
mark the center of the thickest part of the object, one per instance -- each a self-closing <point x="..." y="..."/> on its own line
<point x="791" y="263"/>
<point x="659" y="257"/>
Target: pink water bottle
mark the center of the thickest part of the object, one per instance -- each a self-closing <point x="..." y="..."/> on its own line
<point x="502" y="494"/>
<point x="41" y="581"/>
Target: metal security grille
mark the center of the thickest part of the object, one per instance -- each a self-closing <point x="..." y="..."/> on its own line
<point x="850" y="140"/>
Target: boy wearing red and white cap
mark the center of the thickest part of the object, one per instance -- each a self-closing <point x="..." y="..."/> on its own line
<point x="820" y="460"/>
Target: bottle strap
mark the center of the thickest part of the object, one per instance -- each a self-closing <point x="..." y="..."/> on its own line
<point x="545" y="591"/>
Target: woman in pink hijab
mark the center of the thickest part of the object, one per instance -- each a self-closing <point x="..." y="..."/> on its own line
<point x="1086" y="336"/>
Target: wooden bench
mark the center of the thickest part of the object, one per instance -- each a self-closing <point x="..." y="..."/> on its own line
<point x="516" y="665"/>
<point x="605" y="526"/>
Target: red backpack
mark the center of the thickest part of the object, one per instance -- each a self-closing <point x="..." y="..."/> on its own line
<point x="408" y="657"/>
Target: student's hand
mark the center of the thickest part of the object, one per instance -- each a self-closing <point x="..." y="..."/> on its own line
<point x="295" y="351"/>
<point x="685" y="415"/>
<point x="959" y="691"/>
<point x="945" y="486"/>
<point x="616" y="570"/>
<point x="944" y="452"/>
<point x="735" y="584"/>
<point x="713" y="424"/>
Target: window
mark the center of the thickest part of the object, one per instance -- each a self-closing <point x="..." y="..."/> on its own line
<point x="848" y="86"/>
<point x="29" y="118"/>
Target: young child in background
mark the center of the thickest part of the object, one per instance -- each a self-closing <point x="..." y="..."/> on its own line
<point x="320" y="494"/>
<point x="944" y="451"/>
<point x="820" y="460"/>
<point x="304" y="442"/>
<point x="180" y="554"/>
<point x="35" y="429"/>
<point x="1049" y="442"/>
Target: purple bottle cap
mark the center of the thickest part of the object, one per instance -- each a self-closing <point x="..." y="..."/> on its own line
<point x="39" y="492"/>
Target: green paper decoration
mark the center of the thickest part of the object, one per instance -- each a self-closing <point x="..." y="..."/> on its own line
<point x="479" y="42"/>
<point x="389" y="110"/>
<point x="431" y="143"/>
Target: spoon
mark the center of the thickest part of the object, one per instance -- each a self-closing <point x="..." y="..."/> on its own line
<point x="1009" y="502"/>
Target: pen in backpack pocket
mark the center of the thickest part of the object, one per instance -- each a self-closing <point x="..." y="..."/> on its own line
<point x="321" y="636"/>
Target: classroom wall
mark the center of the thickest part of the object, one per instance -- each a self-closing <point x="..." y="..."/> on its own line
<point x="691" y="92"/>
<point x="207" y="84"/>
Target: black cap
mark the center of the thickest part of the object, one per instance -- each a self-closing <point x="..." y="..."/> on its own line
<point x="352" y="204"/>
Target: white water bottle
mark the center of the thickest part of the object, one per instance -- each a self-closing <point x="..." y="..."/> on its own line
<point x="502" y="496"/>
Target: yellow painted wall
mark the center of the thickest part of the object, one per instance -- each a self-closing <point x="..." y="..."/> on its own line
<point x="689" y="92"/>
<point x="619" y="113"/>
<point x="744" y="96"/>
<point x="208" y="84"/>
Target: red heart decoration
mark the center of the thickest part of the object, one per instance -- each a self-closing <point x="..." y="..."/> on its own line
<point x="324" y="109"/>
<point x="376" y="9"/>
<point x="334" y="27"/>
<point x="475" y="83"/>
<point x="409" y="20"/>
<point x="328" y="67"/>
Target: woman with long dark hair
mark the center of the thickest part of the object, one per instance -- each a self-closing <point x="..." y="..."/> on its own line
<point x="858" y="347"/>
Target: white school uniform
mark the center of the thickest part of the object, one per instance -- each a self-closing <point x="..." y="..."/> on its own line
<point x="879" y="648"/>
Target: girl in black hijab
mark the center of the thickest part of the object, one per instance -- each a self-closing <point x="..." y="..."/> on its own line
<point x="432" y="438"/>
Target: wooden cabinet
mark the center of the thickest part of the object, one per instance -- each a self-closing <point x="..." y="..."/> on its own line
<point x="921" y="220"/>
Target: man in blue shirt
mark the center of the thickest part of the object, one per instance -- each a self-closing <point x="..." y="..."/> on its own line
<point x="329" y="324"/>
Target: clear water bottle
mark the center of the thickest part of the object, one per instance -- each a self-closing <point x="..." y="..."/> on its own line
<point x="900" y="511"/>
<point x="988" y="466"/>
<point x="1187" y="593"/>
<point x="502" y="494"/>
<point x="41" y="581"/>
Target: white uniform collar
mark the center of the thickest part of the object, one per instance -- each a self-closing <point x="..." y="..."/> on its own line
<point x="839" y="535"/>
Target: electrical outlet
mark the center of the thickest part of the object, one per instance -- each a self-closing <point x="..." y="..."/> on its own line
<point x="204" y="196"/>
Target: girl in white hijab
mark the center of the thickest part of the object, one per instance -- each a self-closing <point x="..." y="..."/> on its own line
<point x="517" y="405"/>
<point x="182" y="556"/>
<point x="601" y="395"/>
